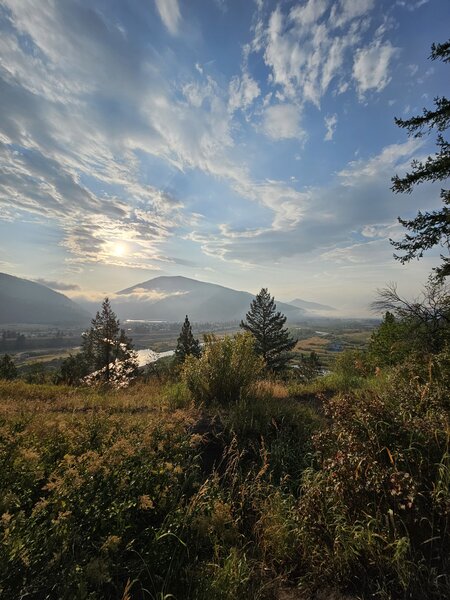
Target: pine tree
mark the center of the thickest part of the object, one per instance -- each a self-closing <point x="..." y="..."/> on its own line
<point x="187" y="345"/>
<point x="106" y="346"/>
<point x="272" y="339"/>
<point x="430" y="228"/>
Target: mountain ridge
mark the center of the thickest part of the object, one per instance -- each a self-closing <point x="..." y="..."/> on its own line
<point x="29" y="302"/>
<point x="171" y="297"/>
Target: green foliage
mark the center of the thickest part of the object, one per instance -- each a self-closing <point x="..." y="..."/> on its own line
<point x="328" y="385"/>
<point x="8" y="369"/>
<point x="73" y="369"/>
<point x="353" y="364"/>
<point x="164" y="369"/>
<point x="420" y="325"/>
<point x="84" y="504"/>
<point x="177" y="395"/>
<point x="374" y="512"/>
<point x="187" y="345"/>
<point x="228" y="576"/>
<point x="272" y="340"/>
<point x="309" y="366"/>
<point x="431" y="228"/>
<point x="36" y="373"/>
<point x="389" y="343"/>
<point x="281" y="428"/>
<point x="225" y="371"/>
<point x="342" y="482"/>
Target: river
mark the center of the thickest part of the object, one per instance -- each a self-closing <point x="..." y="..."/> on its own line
<point x="147" y="356"/>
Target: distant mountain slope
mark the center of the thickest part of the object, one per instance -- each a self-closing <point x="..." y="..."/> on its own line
<point x="311" y="305"/>
<point x="23" y="301"/>
<point x="171" y="298"/>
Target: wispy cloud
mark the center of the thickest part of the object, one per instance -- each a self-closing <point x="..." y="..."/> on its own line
<point x="169" y="11"/>
<point x="53" y="142"/>
<point x="330" y="124"/>
<point x="145" y="295"/>
<point x="304" y="52"/>
<point x="282" y="121"/>
<point x="411" y="5"/>
<point x="371" y="66"/>
<point x="344" y="11"/>
<point x="312" y="222"/>
<point x="243" y="91"/>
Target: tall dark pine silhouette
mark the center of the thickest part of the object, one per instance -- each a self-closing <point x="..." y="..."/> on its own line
<point x="105" y="342"/>
<point x="428" y="229"/>
<point x="272" y="340"/>
<point x="186" y="344"/>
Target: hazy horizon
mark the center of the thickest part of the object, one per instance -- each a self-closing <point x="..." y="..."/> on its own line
<point x="244" y="144"/>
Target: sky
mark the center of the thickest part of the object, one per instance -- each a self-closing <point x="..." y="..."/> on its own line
<point x="249" y="143"/>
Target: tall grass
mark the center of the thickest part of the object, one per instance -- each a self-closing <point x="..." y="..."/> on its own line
<point x="333" y="485"/>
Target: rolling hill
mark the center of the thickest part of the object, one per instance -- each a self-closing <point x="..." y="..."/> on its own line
<point x="171" y="298"/>
<point x="24" y="301"/>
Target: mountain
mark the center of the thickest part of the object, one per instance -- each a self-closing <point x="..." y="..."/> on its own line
<point x="23" y="301"/>
<point x="314" y="306"/>
<point x="171" y="298"/>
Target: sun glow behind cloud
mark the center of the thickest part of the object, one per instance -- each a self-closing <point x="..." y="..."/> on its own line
<point x="120" y="250"/>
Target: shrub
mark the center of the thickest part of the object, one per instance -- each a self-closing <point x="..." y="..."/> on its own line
<point x="177" y="395"/>
<point x="73" y="369"/>
<point x="87" y="503"/>
<point x="282" y="428"/>
<point x="8" y="369"/>
<point x="226" y="370"/>
<point x="353" y="364"/>
<point x="374" y="513"/>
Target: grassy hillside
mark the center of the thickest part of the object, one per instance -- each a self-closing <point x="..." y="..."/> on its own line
<point x="288" y="492"/>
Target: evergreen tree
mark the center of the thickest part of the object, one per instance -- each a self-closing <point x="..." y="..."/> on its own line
<point x="187" y="345"/>
<point x="272" y="339"/>
<point x="429" y="228"/>
<point x="105" y="346"/>
<point x="7" y="368"/>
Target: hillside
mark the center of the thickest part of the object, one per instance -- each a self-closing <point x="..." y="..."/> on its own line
<point x="170" y="298"/>
<point x="313" y="306"/>
<point x="24" y="301"/>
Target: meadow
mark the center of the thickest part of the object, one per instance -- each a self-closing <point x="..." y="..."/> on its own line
<point x="334" y="488"/>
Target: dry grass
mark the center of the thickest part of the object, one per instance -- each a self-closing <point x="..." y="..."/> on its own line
<point x="311" y="343"/>
<point x="19" y="397"/>
<point x="275" y="389"/>
<point x="357" y="337"/>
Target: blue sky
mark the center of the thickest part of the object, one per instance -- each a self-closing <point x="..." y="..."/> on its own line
<point x="247" y="143"/>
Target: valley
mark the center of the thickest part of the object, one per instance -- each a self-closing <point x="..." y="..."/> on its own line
<point x="48" y="347"/>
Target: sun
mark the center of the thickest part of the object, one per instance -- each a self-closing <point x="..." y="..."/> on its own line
<point x="119" y="250"/>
